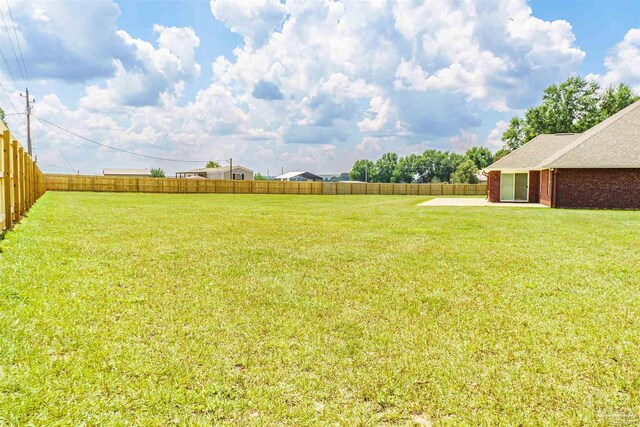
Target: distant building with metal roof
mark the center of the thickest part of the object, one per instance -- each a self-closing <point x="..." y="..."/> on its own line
<point x="298" y="176"/>
<point x="239" y="173"/>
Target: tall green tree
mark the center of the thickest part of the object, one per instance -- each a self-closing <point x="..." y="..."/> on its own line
<point x="500" y="154"/>
<point x="384" y="167"/>
<point x="514" y="136"/>
<point x="2" y="117"/>
<point x="406" y="169"/>
<point x="450" y="163"/>
<point x="466" y="173"/>
<point x="430" y="165"/>
<point x="212" y="164"/>
<point x="573" y="106"/>
<point x="362" y="170"/>
<point x="259" y="177"/>
<point x="481" y="156"/>
<point x="613" y="100"/>
<point x="157" y="172"/>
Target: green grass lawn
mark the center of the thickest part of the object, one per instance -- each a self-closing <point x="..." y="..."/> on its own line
<point x="146" y="309"/>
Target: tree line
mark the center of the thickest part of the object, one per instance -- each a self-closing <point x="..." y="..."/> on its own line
<point x="572" y="106"/>
<point x="430" y="166"/>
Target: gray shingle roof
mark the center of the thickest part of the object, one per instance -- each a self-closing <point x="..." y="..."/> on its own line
<point x="613" y="143"/>
<point x="534" y="152"/>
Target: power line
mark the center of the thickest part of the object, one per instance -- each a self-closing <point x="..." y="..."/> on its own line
<point x="11" y="102"/>
<point x="15" y="55"/>
<point x="63" y="156"/>
<point x="116" y="148"/>
<point x="53" y="165"/>
<point x="13" y="23"/>
<point x="6" y="63"/>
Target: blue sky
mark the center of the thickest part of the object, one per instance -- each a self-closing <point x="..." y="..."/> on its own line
<point x="311" y="85"/>
<point x="613" y="17"/>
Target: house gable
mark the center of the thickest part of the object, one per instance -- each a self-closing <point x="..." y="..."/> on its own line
<point x="613" y="143"/>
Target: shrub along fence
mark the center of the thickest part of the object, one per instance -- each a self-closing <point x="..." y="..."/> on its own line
<point x="22" y="182"/>
<point x="183" y="185"/>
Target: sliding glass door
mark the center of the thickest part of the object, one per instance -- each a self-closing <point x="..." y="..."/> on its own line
<point x="514" y="187"/>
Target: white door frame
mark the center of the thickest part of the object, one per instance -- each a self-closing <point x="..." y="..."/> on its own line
<point x="513" y="173"/>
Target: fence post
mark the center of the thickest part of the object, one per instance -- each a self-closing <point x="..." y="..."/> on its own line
<point x="29" y="188"/>
<point x="30" y="180"/>
<point x="36" y="179"/>
<point x="25" y="182"/>
<point x="32" y="167"/>
<point x="16" y="182"/>
<point x="6" y="174"/>
<point x="35" y="182"/>
<point x="23" y="177"/>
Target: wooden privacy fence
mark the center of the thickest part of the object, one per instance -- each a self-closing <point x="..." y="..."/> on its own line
<point x="341" y="188"/>
<point x="22" y="182"/>
<point x="180" y="185"/>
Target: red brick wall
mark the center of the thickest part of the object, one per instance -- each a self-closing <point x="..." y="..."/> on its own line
<point x="545" y="195"/>
<point x="534" y="186"/>
<point x="597" y="188"/>
<point x="493" y="186"/>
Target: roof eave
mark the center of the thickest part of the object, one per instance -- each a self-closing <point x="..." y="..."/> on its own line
<point x="535" y="168"/>
<point x="590" y="133"/>
<point x="592" y="167"/>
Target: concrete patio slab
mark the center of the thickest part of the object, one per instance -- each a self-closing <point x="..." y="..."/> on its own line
<point x="475" y="201"/>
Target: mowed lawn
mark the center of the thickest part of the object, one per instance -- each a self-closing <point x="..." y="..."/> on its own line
<point x="146" y="309"/>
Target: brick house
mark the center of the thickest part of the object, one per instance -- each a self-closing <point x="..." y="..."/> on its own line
<point x="599" y="168"/>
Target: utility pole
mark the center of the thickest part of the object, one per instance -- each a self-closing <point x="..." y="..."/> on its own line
<point x="29" y="101"/>
<point x="365" y="174"/>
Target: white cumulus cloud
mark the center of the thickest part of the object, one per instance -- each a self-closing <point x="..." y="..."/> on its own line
<point x="154" y="72"/>
<point x="622" y="63"/>
<point x="315" y="82"/>
<point x="73" y="41"/>
<point x="494" y="139"/>
<point x="255" y="20"/>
